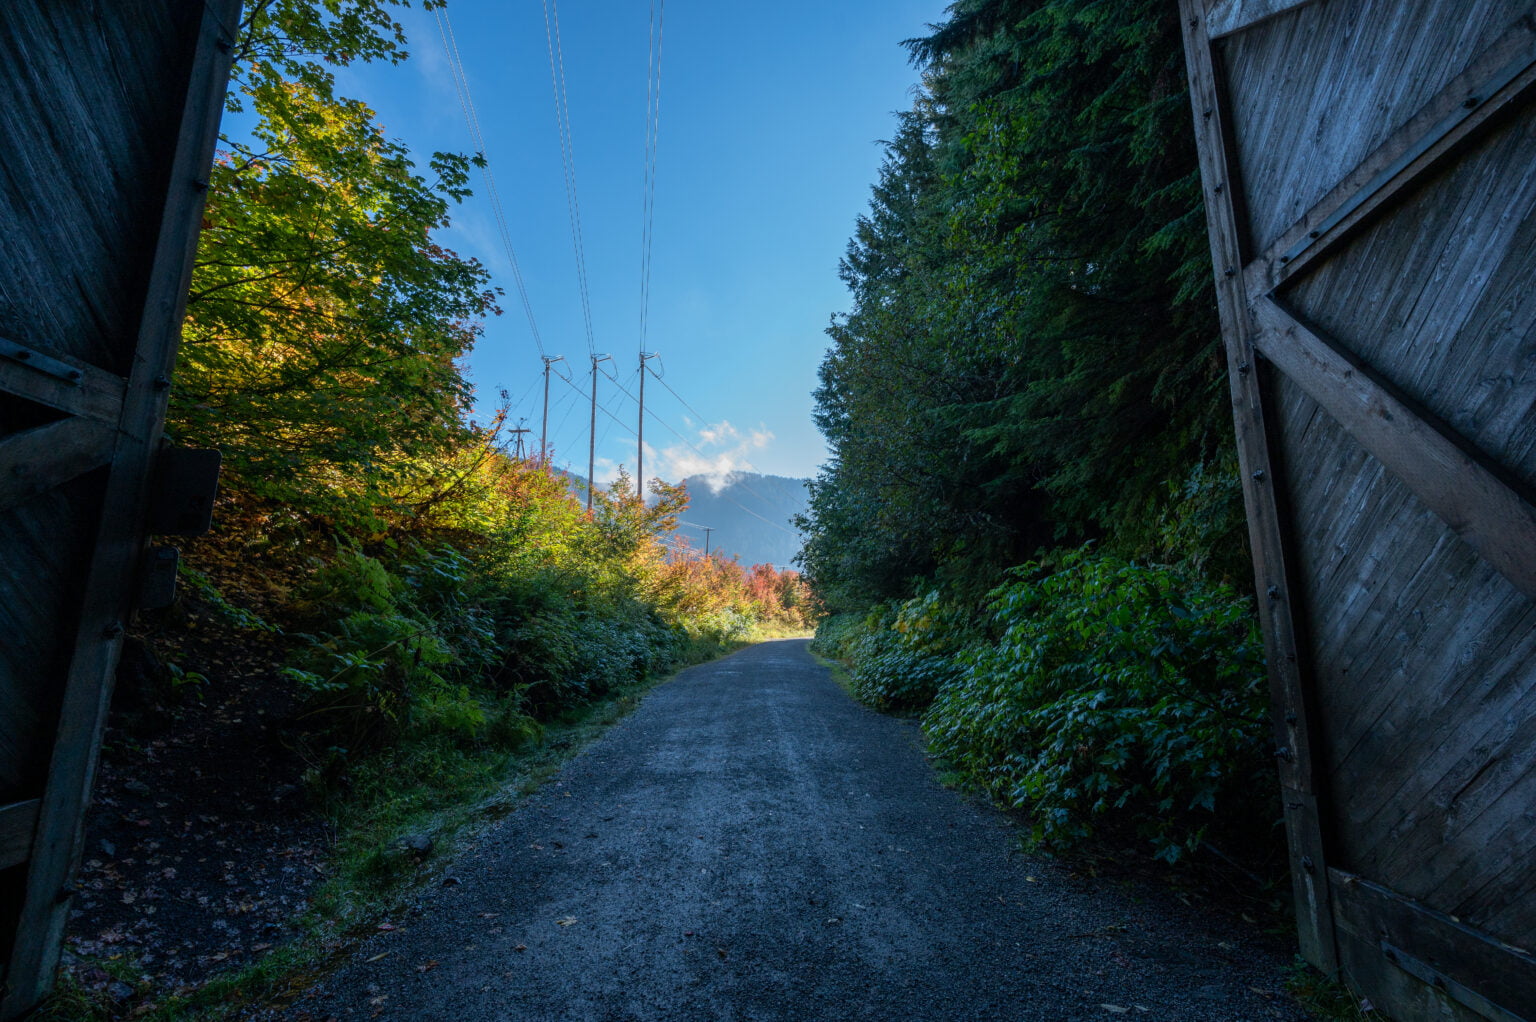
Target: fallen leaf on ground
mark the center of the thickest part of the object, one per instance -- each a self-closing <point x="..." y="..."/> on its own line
<point x="427" y="966"/>
<point x="1118" y="1009"/>
<point x="382" y="954"/>
<point x="521" y="947"/>
<point x="567" y="921"/>
<point x="388" y="926"/>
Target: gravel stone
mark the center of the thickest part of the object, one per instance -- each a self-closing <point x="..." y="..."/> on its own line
<point x="752" y="844"/>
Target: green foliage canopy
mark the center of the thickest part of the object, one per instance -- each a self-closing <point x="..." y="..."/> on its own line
<point x="1032" y="350"/>
<point x="325" y="324"/>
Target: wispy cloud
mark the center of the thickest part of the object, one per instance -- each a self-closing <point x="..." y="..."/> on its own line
<point x="721" y="451"/>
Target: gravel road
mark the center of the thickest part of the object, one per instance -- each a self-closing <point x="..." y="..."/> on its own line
<point x="752" y="844"/>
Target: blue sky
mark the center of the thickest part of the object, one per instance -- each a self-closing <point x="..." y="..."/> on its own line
<point x="770" y="118"/>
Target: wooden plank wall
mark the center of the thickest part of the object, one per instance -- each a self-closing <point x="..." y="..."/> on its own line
<point x="107" y="122"/>
<point x="1370" y="176"/>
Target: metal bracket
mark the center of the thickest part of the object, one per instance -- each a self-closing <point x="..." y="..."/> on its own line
<point x="45" y="364"/>
<point x="157" y="580"/>
<point x="186" y="481"/>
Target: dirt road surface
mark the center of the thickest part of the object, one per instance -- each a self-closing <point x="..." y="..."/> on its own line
<point x="752" y="844"/>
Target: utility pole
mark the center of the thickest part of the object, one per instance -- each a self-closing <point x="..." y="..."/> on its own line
<point x="640" y="435"/>
<point x="549" y="360"/>
<point x="592" y="432"/>
<point x="707" y="530"/>
<point x="517" y="439"/>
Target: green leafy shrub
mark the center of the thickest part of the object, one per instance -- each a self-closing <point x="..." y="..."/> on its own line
<point x="901" y="654"/>
<point x="561" y="656"/>
<point x="835" y="634"/>
<point x="889" y="674"/>
<point x="1116" y="691"/>
<point x="367" y="678"/>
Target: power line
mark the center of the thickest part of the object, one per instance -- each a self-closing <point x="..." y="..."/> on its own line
<point x="652" y="134"/>
<point x="696" y="413"/>
<point x="567" y="156"/>
<point x="622" y="425"/>
<point x="694" y="448"/>
<point x="477" y="139"/>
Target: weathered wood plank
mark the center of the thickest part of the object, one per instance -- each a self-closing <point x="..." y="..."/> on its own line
<point x="1458" y="819"/>
<point x="18" y="821"/>
<point x="1497" y="79"/>
<point x="1292" y="714"/>
<point x="1350" y="72"/>
<point x="1228" y="17"/>
<point x="1425" y="682"/>
<point x="95" y="395"/>
<point x="1397" y="296"/>
<point x="43" y="555"/>
<point x="1455" y="482"/>
<point x="71" y="284"/>
<point x="37" y="460"/>
<point x="1375" y="915"/>
<point x="119" y="540"/>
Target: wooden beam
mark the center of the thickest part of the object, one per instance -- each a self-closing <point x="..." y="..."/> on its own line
<point x="36" y="460"/>
<point x="119" y="540"/>
<point x="1499" y="77"/>
<point x="1227" y="17"/>
<point x="17" y="823"/>
<point x="1447" y="473"/>
<point x="1490" y="976"/>
<point x="1291" y="705"/>
<point x="96" y="394"/>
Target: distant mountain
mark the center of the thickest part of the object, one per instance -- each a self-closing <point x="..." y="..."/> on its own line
<point x="749" y="515"/>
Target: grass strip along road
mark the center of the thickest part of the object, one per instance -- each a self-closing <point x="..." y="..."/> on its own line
<point x="750" y="843"/>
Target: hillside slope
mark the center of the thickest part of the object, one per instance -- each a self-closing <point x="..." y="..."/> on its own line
<point x="750" y="516"/>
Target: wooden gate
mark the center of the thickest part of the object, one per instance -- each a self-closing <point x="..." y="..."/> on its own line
<point x="108" y="113"/>
<point x="1370" y="181"/>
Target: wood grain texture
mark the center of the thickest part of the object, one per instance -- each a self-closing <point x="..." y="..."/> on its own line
<point x="1440" y="297"/>
<point x="1387" y="152"/>
<point x="18" y="820"/>
<point x="1427" y="667"/>
<point x="44" y="546"/>
<point x="158" y="79"/>
<point x="1498" y="79"/>
<point x="76" y="227"/>
<point x="37" y="460"/>
<point x="98" y="395"/>
<point x="1447" y="475"/>
<point x="1293" y="717"/>
<point x="1350" y="72"/>
<point x="1504" y="975"/>
<point x="1227" y="17"/>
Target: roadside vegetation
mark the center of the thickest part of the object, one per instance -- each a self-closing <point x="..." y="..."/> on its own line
<point x="397" y="624"/>
<point x="1030" y="530"/>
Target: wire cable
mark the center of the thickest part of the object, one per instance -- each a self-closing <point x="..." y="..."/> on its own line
<point x="477" y="139"/>
<point x="567" y="156"/>
<point x="652" y="134"/>
<point x="600" y="408"/>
